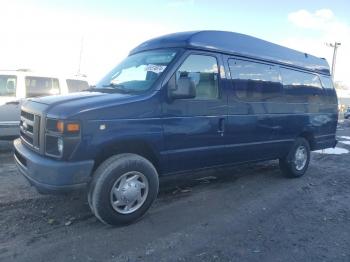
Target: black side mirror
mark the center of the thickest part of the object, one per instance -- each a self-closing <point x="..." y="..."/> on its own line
<point x="183" y="89"/>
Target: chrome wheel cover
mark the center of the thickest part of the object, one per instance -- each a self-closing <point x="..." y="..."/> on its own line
<point x="129" y="192"/>
<point x="300" y="158"/>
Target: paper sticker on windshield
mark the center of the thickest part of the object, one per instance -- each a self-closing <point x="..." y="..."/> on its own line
<point x="155" y="68"/>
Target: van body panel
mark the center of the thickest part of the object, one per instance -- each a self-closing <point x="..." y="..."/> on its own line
<point x="142" y="123"/>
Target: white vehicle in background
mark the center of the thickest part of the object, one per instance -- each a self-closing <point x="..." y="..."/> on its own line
<point x="17" y="85"/>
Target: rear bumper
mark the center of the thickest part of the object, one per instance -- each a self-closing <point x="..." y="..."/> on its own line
<point x="324" y="143"/>
<point x="51" y="176"/>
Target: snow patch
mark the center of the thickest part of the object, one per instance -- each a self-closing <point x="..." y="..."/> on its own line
<point x="345" y="137"/>
<point x="345" y="142"/>
<point x="333" y="151"/>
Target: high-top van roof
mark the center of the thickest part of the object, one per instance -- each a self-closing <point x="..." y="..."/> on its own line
<point x="237" y="44"/>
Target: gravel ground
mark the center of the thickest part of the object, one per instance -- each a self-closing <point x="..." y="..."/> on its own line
<point x="246" y="213"/>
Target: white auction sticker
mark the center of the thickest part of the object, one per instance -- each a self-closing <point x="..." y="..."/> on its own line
<point x="155" y="68"/>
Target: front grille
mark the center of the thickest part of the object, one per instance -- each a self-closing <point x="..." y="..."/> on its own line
<point x="27" y="115"/>
<point x="30" y="129"/>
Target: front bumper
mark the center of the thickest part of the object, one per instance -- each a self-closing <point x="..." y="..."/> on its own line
<point x="51" y="176"/>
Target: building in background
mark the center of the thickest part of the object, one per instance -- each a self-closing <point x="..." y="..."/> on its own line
<point x="343" y="93"/>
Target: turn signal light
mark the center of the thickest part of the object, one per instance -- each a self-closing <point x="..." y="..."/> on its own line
<point x="73" y="127"/>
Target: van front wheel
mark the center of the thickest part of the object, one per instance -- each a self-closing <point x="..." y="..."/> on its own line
<point x="123" y="189"/>
<point x="297" y="161"/>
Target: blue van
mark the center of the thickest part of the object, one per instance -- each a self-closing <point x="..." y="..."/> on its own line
<point x="178" y="103"/>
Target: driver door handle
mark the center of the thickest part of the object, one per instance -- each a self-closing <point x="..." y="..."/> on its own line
<point x="221" y="128"/>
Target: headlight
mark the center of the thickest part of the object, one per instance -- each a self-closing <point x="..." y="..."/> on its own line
<point x="61" y="137"/>
<point x="60" y="145"/>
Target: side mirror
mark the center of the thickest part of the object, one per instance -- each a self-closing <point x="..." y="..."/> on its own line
<point x="183" y="89"/>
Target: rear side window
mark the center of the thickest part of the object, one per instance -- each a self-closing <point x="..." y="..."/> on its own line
<point x="76" y="85"/>
<point x="203" y="71"/>
<point x="255" y="82"/>
<point x="41" y="86"/>
<point x="301" y="87"/>
<point x="327" y="82"/>
<point x="8" y="84"/>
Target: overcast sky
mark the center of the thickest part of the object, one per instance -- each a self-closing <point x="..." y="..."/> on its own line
<point x="47" y="35"/>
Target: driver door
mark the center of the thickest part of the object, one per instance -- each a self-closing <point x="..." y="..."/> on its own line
<point x="194" y="128"/>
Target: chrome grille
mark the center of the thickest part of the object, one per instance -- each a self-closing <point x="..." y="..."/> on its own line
<point x="30" y="129"/>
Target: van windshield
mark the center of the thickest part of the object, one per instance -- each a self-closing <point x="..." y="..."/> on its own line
<point x="138" y="72"/>
<point x="8" y="85"/>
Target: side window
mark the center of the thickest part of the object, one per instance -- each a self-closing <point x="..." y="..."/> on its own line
<point x="8" y="84"/>
<point x="41" y="86"/>
<point x="203" y="71"/>
<point x="327" y="82"/>
<point x="255" y="82"/>
<point x="76" y="85"/>
<point x="301" y="87"/>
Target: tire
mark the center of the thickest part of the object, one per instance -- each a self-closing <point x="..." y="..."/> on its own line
<point x="294" y="166"/>
<point x="123" y="188"/>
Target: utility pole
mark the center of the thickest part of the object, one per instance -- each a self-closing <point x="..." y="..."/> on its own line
<point x="335" y="48"/>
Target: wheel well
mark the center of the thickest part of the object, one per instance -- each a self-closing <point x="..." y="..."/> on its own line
<point x="310" y="138"/>
<point x="136" y="147"/>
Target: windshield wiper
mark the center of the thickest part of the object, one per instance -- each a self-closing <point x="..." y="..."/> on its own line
<point x="109" y="88"/>
<point x="117" y="86"/>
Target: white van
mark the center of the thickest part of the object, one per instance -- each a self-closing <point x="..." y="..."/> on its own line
<point x="16" y="85"/>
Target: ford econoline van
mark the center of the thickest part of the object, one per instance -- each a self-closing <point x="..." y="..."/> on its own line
<point x="178" y="103"/>
<point x="17" y="85"/>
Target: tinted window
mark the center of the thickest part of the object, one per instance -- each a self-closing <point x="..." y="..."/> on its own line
<point x="203" y="71"/>
<point x="255" y="82"/>
<point x="301" y="87"/>
<point x="8" y="85"/>
<point x="41" y="86"/>
<point x="327" y="82"/>
<point x="76" y="85"/>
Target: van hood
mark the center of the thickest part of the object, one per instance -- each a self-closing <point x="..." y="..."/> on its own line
<point x="70" y="105"/>
<point x="58" y="99"/>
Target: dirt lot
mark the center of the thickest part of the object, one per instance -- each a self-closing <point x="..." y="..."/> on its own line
<point x="246" y="213"/>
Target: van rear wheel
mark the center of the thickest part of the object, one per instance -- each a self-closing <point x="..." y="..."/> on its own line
<point x="123" y="189"/>
<point x="297" y="161"/>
